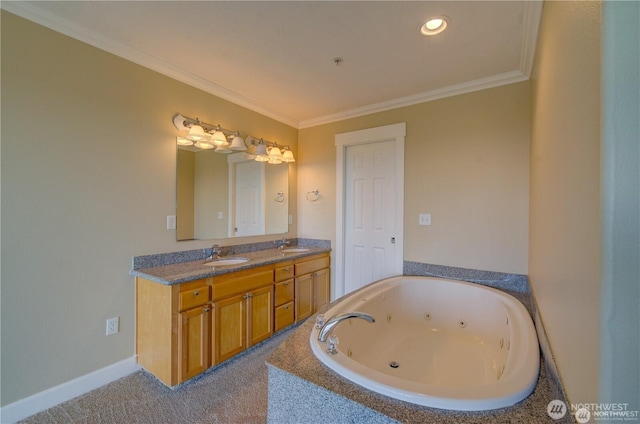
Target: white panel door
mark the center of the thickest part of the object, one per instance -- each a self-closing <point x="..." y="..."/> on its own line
<point x="370" y="208"/>
<point x="249" y="213"/>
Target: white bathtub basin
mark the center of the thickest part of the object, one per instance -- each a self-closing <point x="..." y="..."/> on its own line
<point x="439" y="343"/>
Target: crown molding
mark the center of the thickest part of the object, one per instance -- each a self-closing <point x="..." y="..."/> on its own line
<point x="531" y="17"/>
<point x="32" y="13"/>
<point x="427" y="96"/>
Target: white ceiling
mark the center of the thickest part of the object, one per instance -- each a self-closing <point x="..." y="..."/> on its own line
<point x="277" y="58"/>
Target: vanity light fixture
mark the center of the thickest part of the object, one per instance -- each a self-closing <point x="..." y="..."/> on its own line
<point x="237" y="143"/>
<point x="218" y="138"/>
<point x="208" y="136"/>
<point x="275" y="155"/>
<point x="287" y="156"/>
<point x="196" y="132"/>
<point x="184" y="141"/>
<point x="434" y="25"/>
<point x="204" y="145"/>
<point x="261" y="152"/>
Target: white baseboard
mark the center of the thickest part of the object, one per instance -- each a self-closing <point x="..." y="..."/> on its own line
<point x="51" y="397"/>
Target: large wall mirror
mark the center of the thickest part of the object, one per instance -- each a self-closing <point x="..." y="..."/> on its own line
<point x="229" y="195"/>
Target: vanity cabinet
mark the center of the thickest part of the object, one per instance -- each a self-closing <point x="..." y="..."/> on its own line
<point x="312" y="285"/>
<point x="173" y="329"/>
<point x="243" y="305"/>
<point x="184" y="329"/>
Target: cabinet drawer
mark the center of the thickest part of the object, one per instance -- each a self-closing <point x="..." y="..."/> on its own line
<point x="284" y="272"/>
<point x="312" y="265"/>
<point x="284" y="315"/>
<point x="193" y="297"/>
<point x="241" y="282"/>
<point x="284" y="292"/>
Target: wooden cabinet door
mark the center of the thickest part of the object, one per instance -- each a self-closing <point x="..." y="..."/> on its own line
<point x="230" y="327"/>
<point x="322" y="288"/>
<point x="193" y="337"/>
<point x="260" y="319"/>
<point x="304" y="296"/>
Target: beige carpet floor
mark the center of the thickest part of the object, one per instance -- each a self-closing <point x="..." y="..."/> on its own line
<point x="234" y="392"/>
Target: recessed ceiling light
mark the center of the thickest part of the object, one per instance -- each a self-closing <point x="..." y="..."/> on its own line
<point x="434" y="25"/>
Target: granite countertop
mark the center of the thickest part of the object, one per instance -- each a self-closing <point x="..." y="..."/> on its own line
<point x="192" y="270"/>
<point x="295" y="357"/>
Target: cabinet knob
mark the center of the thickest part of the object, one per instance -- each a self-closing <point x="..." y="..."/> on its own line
<point x="207" y="309"/>
<point x="286" y="283"/>
<point x="286" y="307"/>
<point x="287" y="269"/>
<point x="195" y="293"/>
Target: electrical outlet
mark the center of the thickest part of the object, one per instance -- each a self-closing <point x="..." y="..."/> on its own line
<point x="424" y="219"/>
<point x="113" y="325"/>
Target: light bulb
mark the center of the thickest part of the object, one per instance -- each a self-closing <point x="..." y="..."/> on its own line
<point x="287" y="156"/>
<point x="238" y="143"/>
<point x="196" y="133"/>
<point x="219" y="139"/>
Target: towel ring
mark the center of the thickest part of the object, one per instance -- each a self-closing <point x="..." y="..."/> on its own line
<point x="279" y="197"/>
<point x="313" y="195"/>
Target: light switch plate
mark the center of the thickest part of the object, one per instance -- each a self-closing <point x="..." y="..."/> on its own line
<point x="171" y="222"/>
<point x="424" y="219"/>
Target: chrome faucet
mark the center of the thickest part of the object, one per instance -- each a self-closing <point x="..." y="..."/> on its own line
<point x="216" y="251"/>
<point x="284" y="242"/>
<point x="335" y="320"/>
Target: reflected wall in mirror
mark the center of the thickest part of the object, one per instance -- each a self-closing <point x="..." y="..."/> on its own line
<point x="224" y="196"/>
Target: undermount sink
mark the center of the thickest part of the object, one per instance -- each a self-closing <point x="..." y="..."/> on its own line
<point x="295" y="250"/>
<point x="226" y="261"/>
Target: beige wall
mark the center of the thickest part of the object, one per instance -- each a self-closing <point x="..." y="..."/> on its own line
<point x="466" y="163"/>
<point x="88" y="178"/>
<point x="564" y="231"/>
<point x="185" y="197"/>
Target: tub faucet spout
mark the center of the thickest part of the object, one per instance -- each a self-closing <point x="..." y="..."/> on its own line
<point x="326" y="329"/>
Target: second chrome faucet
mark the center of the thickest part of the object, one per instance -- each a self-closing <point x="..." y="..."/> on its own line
<point x="331" y="323"/>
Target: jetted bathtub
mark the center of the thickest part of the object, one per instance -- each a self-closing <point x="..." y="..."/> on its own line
<point x="440" y="343"/>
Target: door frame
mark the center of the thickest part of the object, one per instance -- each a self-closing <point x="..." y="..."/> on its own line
<point x="395" y="133"/>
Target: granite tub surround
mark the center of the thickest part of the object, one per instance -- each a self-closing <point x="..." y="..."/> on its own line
<point x="517" y="285"/>
<point x="180" y="267"/>
<point x="300" y="387"/>
<point x="498" y="280"/>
